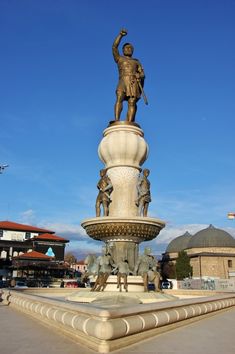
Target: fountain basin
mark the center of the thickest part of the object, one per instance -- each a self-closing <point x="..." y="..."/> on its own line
<point x="135" y="229"/>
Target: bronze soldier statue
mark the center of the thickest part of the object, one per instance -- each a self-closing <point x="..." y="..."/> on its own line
<point x="105" y="264"/>
<point x="105" y="189"/>
<point x="144" y="195"/>
<point x="131" y="79"/>
<point x="146" y="266"/>
<point x="123" y="272"/>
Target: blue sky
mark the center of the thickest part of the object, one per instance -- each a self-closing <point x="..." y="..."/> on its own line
<point x="57" y="90"/>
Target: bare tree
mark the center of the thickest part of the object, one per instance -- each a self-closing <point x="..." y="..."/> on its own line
<point x="70" y="258"/>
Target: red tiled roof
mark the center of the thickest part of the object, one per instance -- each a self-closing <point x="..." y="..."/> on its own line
<point x="9" y="225"/>
<point x="50" y="237"/>
<point x="34" y="255"/>
<point x="81" y="262"/>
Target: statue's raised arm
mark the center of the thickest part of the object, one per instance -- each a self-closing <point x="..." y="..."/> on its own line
<point x="131" y="79"/>
<point x="116" y="43"/>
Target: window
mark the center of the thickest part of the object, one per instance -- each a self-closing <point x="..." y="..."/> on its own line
<point x="1" y="233"/>
<point x="230" y="263"/>
<point x="27" y="235"/>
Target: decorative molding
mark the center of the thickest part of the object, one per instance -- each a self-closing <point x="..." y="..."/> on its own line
<point x="104" y="330"/>
<point x="120" y="229"/>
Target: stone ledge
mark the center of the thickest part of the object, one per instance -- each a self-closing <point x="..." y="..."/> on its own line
<point x="105" y="329"/>
<point x="139" y="297"/>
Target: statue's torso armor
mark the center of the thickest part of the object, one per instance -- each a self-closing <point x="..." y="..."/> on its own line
<point x="102" y="184"/>
<point x="105" y="264"/>
<point x="123" y="268"/>
<point x="144" y="189"/>
<point x="128" y="68"/>
<point x="144" y="264"/>
<point x="128" y="84"/>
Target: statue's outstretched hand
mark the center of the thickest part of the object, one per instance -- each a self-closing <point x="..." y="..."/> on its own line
<point x="123" y="32"/>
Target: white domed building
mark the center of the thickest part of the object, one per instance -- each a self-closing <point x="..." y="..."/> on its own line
<point x="211" y="252"/>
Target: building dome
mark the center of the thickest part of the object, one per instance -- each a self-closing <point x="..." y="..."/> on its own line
<point x="179" y="243"/>
<point x="211" y="237"/>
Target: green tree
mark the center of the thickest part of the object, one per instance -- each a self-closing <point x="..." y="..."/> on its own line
<point x="182" y="266"/>
<point x="167" y="268"/>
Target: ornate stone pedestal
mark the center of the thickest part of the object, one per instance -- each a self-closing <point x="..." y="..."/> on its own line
<point x="123" y="150"/>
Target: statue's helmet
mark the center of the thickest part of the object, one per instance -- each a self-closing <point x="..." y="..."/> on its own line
<point x="103" y="172"/>
<point x="147" y="250"/>
<point x="146" y="172"/>
<point x="104" y="249"/>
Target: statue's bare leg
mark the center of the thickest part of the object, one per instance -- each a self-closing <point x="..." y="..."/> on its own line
<point x="140" y="208"/>
<point x="157" y="283"/>
<point x="106" y="208"/>
<point x="97" y="207"/>
<point x="104" y="282"/>
<point x="145" y="210"/>
<point x="125" y="283"/>
<point x="145" y="279"/>
<point x="132" y="109"/>
<point x="100" y="282"/>
<point x="118" y="281"/>
<point x="94" y="288"/>
<point x="118" y="105"/>
<point x="120" y="285"/>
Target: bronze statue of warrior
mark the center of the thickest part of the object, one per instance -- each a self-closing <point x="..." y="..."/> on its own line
<point x="146" y="267"/>
<point x="144" y="194"/>
<point x="105" y="264"/>
<point x="123" y="272"/>
<point x="105" y="189"/>
<point x="131" y="79"/>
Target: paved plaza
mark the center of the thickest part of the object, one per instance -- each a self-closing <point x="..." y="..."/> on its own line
<point x="21" y="334"/>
